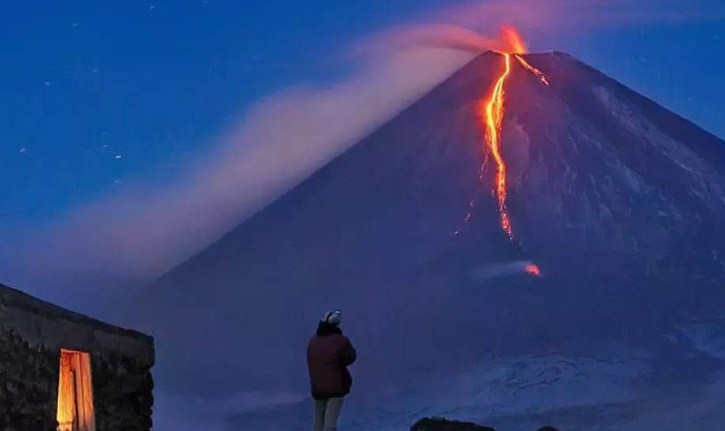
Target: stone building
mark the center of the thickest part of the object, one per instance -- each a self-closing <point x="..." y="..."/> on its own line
<point x="60" y="370"/>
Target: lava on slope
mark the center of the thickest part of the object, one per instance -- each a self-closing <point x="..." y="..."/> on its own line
<point x="492" y="111"/>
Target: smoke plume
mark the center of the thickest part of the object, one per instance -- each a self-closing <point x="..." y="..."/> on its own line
<point x="148" y="228"/>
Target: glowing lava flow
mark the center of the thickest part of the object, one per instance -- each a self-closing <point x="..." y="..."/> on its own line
<point x="493" y="117"/>
<point x="539" y="74"/>
<point x="492" y="113"/>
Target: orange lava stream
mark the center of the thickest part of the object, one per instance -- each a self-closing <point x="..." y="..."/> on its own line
<point x="491" y="113"/>
<point x="539" y="74"/>
<point x="493" y="117"/>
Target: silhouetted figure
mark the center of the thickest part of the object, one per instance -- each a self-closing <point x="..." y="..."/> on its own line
<point x="547" y="428"/>
<point x="328" y="356"/>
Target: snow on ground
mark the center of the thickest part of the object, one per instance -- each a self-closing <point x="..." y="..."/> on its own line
<point x="705" y="336"/>
<point x="526" y="385"/>
<point x="611" y="389"/>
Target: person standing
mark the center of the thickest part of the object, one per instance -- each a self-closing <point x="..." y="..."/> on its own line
<point x="329" y="353"/>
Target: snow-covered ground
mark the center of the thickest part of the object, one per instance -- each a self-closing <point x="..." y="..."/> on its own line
<point x="528" y="385"/>
<point x="602" y="391"/>
<point x="705" y="336"/>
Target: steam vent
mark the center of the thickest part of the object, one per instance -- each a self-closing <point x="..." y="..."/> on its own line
<point x="63" y="371"/>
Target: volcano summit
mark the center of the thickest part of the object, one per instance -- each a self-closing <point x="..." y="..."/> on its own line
<point x="616" y="199"/>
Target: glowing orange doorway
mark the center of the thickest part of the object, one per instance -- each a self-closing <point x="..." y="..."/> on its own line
<point x="75" y="392"/>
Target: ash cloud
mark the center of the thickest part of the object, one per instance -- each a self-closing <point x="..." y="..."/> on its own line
<point x="148" y="228"/>
<point x="434" y="36"/>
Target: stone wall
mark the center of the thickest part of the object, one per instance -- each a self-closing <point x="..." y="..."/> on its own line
<point x="123" y="393"/>
<point x="31" y="335"/>
<point x="28" y="384"/>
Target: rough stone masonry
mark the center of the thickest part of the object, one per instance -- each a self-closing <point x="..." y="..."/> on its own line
<point x="32" y="335"/>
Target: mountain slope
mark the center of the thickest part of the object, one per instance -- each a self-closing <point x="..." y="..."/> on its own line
<point x="616" y="199"/>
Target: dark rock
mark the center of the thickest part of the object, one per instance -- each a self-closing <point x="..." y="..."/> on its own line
<point x="440" y="424"/>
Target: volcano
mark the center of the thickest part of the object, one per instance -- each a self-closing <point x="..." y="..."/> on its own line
<point x="617" y="201"/>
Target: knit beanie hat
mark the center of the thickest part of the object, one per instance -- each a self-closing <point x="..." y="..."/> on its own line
<point x="333" y="317"/>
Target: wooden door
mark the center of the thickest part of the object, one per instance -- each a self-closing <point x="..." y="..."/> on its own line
<point x="75" y="410"/>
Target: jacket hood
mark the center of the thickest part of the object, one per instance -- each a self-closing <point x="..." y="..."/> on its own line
<point x="325" y="328"/>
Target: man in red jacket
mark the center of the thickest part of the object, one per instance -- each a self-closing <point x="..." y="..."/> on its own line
<point x="328" y="356"/>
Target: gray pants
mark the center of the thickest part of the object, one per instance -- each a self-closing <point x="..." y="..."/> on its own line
<point x="326" y="414"/>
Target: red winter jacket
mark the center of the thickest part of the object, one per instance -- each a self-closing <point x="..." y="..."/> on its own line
<point x="328" y="356"/>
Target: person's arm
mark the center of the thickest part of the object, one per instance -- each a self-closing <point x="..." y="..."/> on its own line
<point x="348" y="353"/>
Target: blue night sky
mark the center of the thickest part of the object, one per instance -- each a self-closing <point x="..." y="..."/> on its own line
<point x="97" y="94"/>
